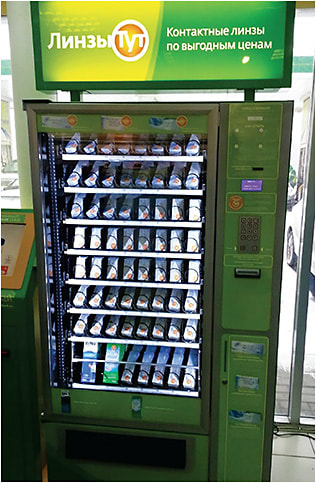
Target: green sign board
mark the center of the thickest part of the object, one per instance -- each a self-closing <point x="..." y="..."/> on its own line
<point x="162" y="44"/>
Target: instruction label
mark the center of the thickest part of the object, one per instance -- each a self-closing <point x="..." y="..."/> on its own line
<point x="250" y="348"/>
<point x="247" y="383"/>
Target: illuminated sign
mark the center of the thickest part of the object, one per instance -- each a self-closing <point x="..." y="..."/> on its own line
<point x="157" y="44"/>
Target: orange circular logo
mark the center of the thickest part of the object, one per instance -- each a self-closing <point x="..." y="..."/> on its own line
<point x="72" y="120"/>
<point x="126" y="121"/>
<point x="182" y="121"/>
<point x="236" y="202"/>
<point x="130" y="40"/>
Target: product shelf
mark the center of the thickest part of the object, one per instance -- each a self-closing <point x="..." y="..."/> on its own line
<point x="133" y="191"/>
<point x="121" y="340"/>
<point x="132" y="254"/>
<point x="135" y="313"/>
<point x="144" y="390"/>
<point x="132" y="157"/>
<point x="118" y="283"/>
<point x="138" y="364"/>
<point x="137" y="223"/>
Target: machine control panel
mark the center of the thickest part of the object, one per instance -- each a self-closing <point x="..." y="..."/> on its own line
<point x="249" y="234"/>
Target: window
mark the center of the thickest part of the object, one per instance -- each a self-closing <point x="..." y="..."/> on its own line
<point x="10" y="192"/>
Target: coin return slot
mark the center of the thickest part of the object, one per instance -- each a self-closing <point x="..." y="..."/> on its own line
<point x="247" y="273"/>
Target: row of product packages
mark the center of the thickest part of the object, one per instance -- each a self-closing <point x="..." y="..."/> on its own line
<point x="125" y="144"/>
<point x="131" y="298"/>
<point x="143" y="366"/>
<point x="173" y="330"/>
<point x="133" y="239"/>
<point x="129" y="174"/>
<point x="132" y="208"/>
<point x="136" y="269"/>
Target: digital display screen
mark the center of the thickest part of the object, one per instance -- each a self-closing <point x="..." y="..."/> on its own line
<point x="11" y="238"/>
<point x="251" y="185"/>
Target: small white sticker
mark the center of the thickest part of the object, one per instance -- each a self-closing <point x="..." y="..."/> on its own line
<point x="242" y="347"/>
<point x="57" y="122"/>
<point x="112" y="123"/>
<point x="246" y="382"/>
<point x="167" y="124"/>
<point x="245" y="417"/>
<point x="255" y="118"/>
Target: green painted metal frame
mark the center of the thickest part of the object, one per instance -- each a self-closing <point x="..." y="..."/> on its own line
<point x="272" y="333"/>
<point x="303" y="280"/>
<point x="51" y="395"/>
<point x="285" y="81"/>
<point x="17" y="331"/>
<point x="211" y="345"/>
<point x="62" y="469"/>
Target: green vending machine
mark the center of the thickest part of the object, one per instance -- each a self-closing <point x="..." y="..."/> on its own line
<point x="20" y="436"/>
<point x="159" y="232"/>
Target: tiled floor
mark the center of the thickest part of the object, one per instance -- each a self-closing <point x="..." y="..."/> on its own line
<point x="293" y="459"/>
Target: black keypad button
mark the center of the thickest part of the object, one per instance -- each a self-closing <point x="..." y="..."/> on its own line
<point x="249" y="234"/>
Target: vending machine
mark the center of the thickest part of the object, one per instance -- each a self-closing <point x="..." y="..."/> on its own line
<point x="159" y="232"/>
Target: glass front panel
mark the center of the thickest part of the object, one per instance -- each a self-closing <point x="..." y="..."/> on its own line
<point x="125" y="212"/>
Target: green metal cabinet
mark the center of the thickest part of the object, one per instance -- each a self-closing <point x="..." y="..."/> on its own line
<point x="20" y="430"/>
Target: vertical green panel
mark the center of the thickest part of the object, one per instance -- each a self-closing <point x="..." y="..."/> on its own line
<point x="243" y="388"/>
<point x="253" y="168"/>
<point x="20" y="429"/>
<point x="253" y="156"/>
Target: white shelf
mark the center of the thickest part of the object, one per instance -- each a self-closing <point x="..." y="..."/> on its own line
<point x="117" y="340"/>
<point x="138" y="364"/>
<point x="133" y="313"/>
<point x="125" y="253"/>
<point x="133" y="191"/>
<point x="123" y="283"/>
<point x="144" y="390"/>
<point x="131" y="157"/>
<point x="86" y="359"/>
<point x="137" y="223"/>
